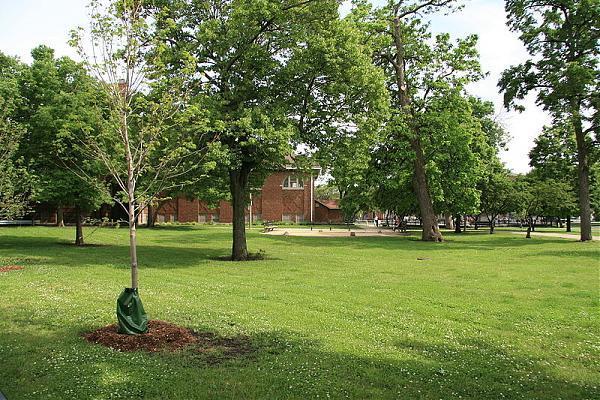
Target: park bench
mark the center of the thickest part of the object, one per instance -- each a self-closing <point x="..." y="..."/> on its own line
<point x="268" y="226"/>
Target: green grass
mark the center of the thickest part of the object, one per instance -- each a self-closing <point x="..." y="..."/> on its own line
<point x="482" y="317"/>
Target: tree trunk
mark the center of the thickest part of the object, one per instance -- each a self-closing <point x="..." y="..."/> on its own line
<point x="569" y="223"/>
<point x="529" y="228"/>
<point x="457" y="225"/>
<point x="133" y="243"/>
<point x="492" y="225"/>
<point x="60" y="217"/>
<point x="431" y="231"/>
<point x="150" y="221"/>
<point x="238" y="181"/>
<point x="78" y="227"/>
<point x="449" y="222"/>
<point x="583" y="171"/>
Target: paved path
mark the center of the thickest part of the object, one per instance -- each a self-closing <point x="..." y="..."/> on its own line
<point x="554" y="234"/>
<point x="325" y="232"/>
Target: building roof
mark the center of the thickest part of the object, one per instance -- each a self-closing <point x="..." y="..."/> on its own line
<point x="291" y="164"/>
<point x="330" y="204"/>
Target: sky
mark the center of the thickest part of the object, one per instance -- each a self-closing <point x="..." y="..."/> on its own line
<point x="25" y="24"/>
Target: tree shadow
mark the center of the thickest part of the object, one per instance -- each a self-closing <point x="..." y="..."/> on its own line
<point x="151" y="255"/>
<point x="284" y="364"/>
<point x="452" y="242"/>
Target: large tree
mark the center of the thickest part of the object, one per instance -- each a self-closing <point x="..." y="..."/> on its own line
<point x="64" y="106"/>
<point x="271" y="75"/>
<point x="562" y="38"/>
<point x="15" y="180"/>
<point x="419" y="71"/>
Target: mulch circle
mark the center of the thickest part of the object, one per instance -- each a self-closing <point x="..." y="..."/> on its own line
<point x="164" y="336"/>
<point x="11" y="268"/>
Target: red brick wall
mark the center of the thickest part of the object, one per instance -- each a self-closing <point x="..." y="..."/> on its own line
<point x="269" y="205"/>
<point x="187" y="210"/>
<point x="325" y="215"/>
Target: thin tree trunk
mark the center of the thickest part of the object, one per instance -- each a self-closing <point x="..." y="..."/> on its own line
<point x="238" y="180"/>
<point x="78" y="227"/>
<point x="583" y="171"/>
<point x="133" y="243"/>
<point x="569" y="223"/>
<point x="60" y="217"/>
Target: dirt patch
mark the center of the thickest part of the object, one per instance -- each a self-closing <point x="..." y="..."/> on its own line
<point x="164" y="336"/>
<point x="7" y="268"/>
<point x="259" y="256"/>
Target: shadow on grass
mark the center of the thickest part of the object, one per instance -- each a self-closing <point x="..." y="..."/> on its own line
<point x="60" y="364"/>
<point x="152" y="255"/>
<point x="452" y="242"/>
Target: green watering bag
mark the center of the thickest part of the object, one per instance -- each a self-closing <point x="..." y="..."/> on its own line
<point x="130" y="313"/>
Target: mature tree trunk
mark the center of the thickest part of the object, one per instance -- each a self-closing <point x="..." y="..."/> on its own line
<point x="448" y="221"/>
<point x="78" y="227"/>
<point x="150" y="221"/>
<point x="60" y="217"/>
<point x="529" y="228"/>
<point x="238" y="181"/>
<point x="569" y="223"/>
<point x="431" y="231"/>
<point x="492" y="225"/>
<point x="457" y="225"/>
<point x="583" y="171"/>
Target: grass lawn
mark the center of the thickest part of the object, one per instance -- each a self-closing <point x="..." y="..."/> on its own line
<point x="482" y="316"/>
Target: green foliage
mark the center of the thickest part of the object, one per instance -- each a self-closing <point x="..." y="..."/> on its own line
<point x="16" y="182"/>
<point x="432" y="112"/>
<point x="64" y="107"/>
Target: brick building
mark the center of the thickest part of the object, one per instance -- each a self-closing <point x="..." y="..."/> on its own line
<point x="286" y="196"/>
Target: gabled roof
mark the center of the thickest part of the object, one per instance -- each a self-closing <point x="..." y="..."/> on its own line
<point x="329" y="204"/>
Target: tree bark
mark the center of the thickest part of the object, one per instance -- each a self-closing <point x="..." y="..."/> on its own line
<point x="60" y="217"/>
<point x="529" y="228"/>
<point x="150" y="220"/>
<point x="133" y="244"/>
<point x="449" y="222"/>
<point x="457" y="225"/>
<point x="583" y="171"/>
<point x="569" y="223"/>
<point x="492" y="225"/>
<point x="78" y="227"/>
<point x="431" y="231"/>
<point x="238" y="181"/>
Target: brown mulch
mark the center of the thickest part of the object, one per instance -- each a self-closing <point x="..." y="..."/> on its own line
<point x="10" y="268"/>
<point x="164" y="336"/>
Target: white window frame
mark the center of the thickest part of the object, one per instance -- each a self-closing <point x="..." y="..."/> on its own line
<point x="293" y="182"/>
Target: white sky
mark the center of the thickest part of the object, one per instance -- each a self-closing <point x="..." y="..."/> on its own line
<point x="25" y="24"/>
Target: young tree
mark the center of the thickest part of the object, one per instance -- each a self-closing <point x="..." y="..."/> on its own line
<point x="418" y="72"/>
<point x="62" y="109"/>
<point x="562" y="38"/>
<point x="272" y="75"/>
<point x="141" y="145"/>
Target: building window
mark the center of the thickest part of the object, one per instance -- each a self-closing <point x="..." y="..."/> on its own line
<point x="293" y="182"/>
